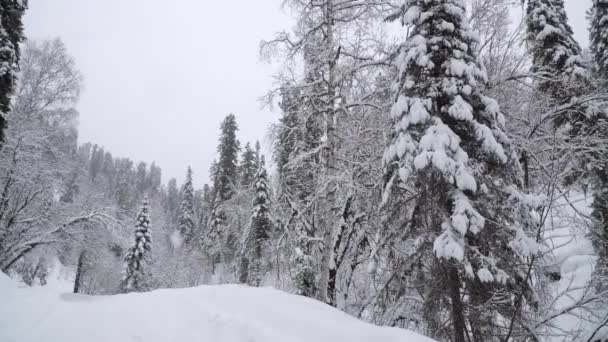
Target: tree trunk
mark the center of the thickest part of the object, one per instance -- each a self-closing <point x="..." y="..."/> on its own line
<point x="336" y="258"/>
<point x="526" y="166"/>
<point x="79" y="272"/>
<point x="329" y="216"/>
<point x="458" y="321"/>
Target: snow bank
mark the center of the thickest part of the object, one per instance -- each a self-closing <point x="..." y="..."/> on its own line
<point x="223" y="313"/>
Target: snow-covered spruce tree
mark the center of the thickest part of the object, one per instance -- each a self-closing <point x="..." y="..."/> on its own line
<point x="556" y="57"/>
<point x="449" y="154"/>
<point x="248" y="166"/>
<point x="227" y="166"/>
<point x="137" y="277"/>
<point x="185" y="224"/>
<point x="11" y="35"/>
<point x="219" y="241"/>
<point x="258" y="232"/>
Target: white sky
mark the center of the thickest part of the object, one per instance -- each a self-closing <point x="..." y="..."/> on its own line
<point x="161" y="75"/>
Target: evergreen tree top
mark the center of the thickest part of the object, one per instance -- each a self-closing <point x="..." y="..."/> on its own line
<point x="248" y="166"/>
<point x="187" y="187"/>
<point x="551" y="41"/>
<point x="261" y="200"/>
<point x="261" y="172"/>
<point x="226" y="169"/>
<point x="186" y="209"/>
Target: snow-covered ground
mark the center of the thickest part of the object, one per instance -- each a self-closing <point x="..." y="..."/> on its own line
<point x="571" y="254"/>
<point x="222" y="313"/>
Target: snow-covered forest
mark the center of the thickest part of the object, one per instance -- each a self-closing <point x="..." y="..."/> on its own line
<point x="439" y="166"/>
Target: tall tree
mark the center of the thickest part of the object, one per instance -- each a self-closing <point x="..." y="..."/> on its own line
<point x="599" y="48"/>
<point x="248" y="166"/>
<point x="556" y="56"/>
<point x="258" y="232"/>
<point x="185" y="224"/>
<point x="580" y="109"/>
<point x="598" y="38"/>
<point x="11" y="35"/>
<point x="35" y="167"/>
<point x="220" y="242"/>
<point x="137" y="260"/>
<point x="227" y="165"/>
<point x="449" y="155"/>
<point x="336" y="41"/>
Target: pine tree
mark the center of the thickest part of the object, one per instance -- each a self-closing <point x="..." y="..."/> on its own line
<point x="185" y="224"/>
<point x="248" y="166"/>
<point x="11" y="35"/>
<point x="227" y="166"/>
<point x="598" y="38"/>
<point x="219" y="241"/>
<point x="137" y="260"/>
<point x="556" y="56"/>
<point x="259" y="230"/>
<point x="449" y="155"/>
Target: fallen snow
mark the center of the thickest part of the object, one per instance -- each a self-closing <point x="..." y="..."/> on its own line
<point x="572" y="255"/>
<point x="223" y="313"/>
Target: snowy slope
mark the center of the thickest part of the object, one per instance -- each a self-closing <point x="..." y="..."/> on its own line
<point x="224" y="313"/>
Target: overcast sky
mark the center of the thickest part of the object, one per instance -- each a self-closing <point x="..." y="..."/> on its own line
<point x="161" y="75"/>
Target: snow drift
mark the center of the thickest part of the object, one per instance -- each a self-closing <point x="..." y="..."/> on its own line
<point x="223" y="313"/>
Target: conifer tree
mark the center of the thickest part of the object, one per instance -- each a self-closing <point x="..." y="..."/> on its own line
<point x="599" y="48"/>
<point x="11" y="35"/>
<point x="598" y="38"/>
<point x="137" y="260"/>
<point x="225" y="177"/>
<point x="258" y="231"/>
<point x="248" y="166"/>
<point x="227" y="166"/>
<point x="448" y="153"/>
<point x="556" y="57"/>
<point x="185" y="223"/>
